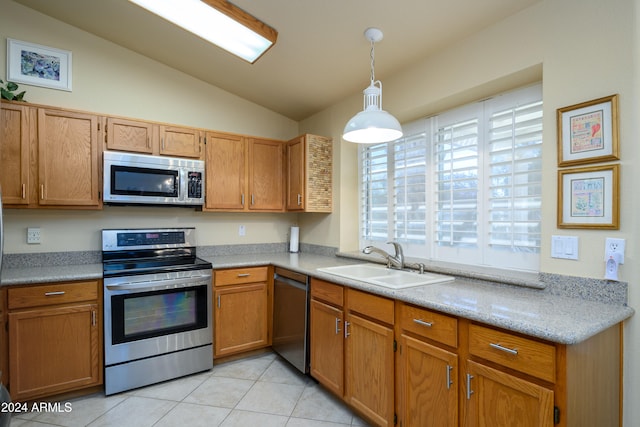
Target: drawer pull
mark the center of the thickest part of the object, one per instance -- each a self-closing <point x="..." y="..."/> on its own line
<point x="505" y="349"/>
<point x="50" y="294"/>
<point x="469" y="391"/>
<point x="346" y="329"/>
<point x="338" y="325"/>
<point x="244" y="274"/>
<point x="423" y="323"/>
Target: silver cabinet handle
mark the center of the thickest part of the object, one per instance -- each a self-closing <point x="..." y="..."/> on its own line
<point x="337" y="325"/>
<point x="50" y="294"/>
<point x="505" y="349"/>
<point x="24" y="191"/>
<point x="449" y="381"/>
<point x="299" y="199"/>
<point x="423" y="323"/>
<point x="242" y="199"/>
<point x="218" y="301"/>
<point x="346" y="329"/>
<point x="244" y="274"/>
<point x="469" y="391"/>
<point x="94" y="319"/>
<point x="253" y="200"/>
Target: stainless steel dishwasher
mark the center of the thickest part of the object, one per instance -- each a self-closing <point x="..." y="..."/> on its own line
<point x="290" y="317"/>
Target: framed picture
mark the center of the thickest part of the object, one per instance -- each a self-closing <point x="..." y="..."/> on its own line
<point x="37" y="65"/>
<point x="588" y="132"/>
<point x="589" y="197"/>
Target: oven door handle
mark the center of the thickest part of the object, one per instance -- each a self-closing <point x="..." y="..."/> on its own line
<point x="155" y="284"/>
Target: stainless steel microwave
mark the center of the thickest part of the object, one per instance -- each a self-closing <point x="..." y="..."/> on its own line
<point x="144" y="179"/>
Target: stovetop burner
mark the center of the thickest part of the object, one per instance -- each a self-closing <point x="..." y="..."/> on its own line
<point x="144" y="251"/>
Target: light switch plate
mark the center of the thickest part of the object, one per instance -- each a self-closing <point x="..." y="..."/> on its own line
<point x="565" y="247"/>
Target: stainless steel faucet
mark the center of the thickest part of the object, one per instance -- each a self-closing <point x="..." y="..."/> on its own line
<point x="393" y="261"/>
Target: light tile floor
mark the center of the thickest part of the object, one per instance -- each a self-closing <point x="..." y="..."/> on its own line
<point x="262" y="391"/>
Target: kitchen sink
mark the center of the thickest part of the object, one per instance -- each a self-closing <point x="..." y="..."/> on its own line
<point x="386" y="277"/>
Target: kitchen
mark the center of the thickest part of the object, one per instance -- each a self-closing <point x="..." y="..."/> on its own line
<point x="538" y="43"/>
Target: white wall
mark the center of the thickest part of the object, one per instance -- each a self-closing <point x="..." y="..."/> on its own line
<point x="108" y="79"/>
<point x="581" y="50"/>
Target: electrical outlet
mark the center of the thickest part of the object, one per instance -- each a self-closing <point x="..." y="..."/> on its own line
<point x="33" y="236"/>
<point x="242" y="230"/>
<point x="614" y="246"/>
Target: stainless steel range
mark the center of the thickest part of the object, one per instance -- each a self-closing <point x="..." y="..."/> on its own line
<point x="157" y="307"/>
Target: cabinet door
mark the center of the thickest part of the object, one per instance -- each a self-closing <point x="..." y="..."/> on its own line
<point x="266" y="179"/>
<point x="295" y="174"/>
<point x="225" y="172"/>
<point x="54" y="350"/>
<point x="129" y="135"/>
<point x="241" y="321"/>
<point x="68" y="158"/>
<point x="498" y="399"/>
<point x="14" y="154"/>
<point x="369" y="368"/>
<point x="178" y="141"/>
<point x="428" y="385"/>
<point x="326" y="338"/>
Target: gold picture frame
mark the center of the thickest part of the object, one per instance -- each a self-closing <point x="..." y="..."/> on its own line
<point x="588" y="132"/>
<point x="589" y="197"/>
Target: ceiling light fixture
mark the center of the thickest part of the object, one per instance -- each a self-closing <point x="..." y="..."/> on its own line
<point x="372" y="125"/>
<point x="218" y="22"/>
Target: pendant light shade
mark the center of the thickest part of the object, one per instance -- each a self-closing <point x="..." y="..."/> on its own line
<point x="372" y="125"/>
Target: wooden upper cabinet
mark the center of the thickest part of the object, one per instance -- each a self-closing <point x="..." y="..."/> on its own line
<point x="68" y="156"/>
<point x="14" y="153"/>
<point x="129" y="135"/>
<point x="180" y="141"/>
<point x="244" y="174"/>
<point x="266" y="180"/>
<point x="309" y="166"/>
<point x="225" y="163"/>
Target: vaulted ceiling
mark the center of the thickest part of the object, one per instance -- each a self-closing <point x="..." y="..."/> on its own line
<point x="321" y="55"/>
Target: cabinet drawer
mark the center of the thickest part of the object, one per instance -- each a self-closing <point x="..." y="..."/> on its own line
<point x="237" y="276"/>
<point x="522" y="354"/>
<point x="60" y="293"/>
<point x="429" y="324"/>
<point x="327" y="292"/>
<point x="373" y="306"/>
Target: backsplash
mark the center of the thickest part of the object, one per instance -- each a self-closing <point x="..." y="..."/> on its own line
<point x="601" y="290"/>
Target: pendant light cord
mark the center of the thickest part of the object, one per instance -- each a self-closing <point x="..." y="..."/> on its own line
<point x="373" y="74"/>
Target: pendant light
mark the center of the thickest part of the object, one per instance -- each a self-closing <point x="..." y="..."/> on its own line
<point x="372" y="125"/>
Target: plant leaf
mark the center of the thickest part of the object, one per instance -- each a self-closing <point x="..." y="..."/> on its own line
<point x="12" y="86"/>
<point x="20" y="96"/>
<point x="6" y="94"/>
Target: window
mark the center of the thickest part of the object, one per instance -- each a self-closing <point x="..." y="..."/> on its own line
<point x="463" y="186"/>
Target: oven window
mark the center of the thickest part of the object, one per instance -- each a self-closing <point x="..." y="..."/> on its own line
<point x="137" y="316"/>
<point x="126" y="180"/>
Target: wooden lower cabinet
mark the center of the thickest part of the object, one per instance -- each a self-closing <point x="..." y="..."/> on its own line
<point x="327" y="349"/>
<point x="352" y="348"/>
<point x="241" y="310"/>
<point x="427" y="384"/>
<point x="369" y="369"/>
<point x="450" y="371"/>
<point x="496" y="398"/>
<point x="55" y="339"/>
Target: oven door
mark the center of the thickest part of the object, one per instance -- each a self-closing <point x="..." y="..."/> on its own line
<point x="153" y="314"/>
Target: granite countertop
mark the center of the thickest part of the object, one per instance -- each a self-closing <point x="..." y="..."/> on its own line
<point x="535" y="312"/>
